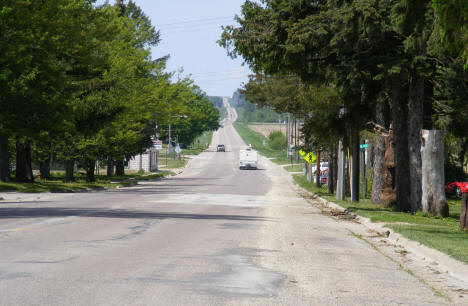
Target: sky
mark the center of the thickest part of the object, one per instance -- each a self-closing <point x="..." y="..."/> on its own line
<point x="189" y="31"/>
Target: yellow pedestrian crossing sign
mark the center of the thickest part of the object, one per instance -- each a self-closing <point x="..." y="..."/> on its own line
<point x="302" y="153"/>
<point x="310" y="158"/>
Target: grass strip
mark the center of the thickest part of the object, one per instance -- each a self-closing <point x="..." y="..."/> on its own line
<point x="57" y="183"/>
<point x="295" y="168"/>
<point x="442" y="234"/>
<point x="257" y="140"/>
<point x="199" y="144"/>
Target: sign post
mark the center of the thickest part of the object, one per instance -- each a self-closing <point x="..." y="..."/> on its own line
<point x="178" y="150"/>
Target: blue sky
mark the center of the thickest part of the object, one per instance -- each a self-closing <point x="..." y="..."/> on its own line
<point x="189" y="31"/>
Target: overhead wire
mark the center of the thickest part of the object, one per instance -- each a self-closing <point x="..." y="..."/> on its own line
<point x="193" y="21"/>
<point x="192" y="25"/>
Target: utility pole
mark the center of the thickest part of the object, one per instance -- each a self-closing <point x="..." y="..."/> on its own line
<point x="340" y="188"/>
<point x="169" y="142"/>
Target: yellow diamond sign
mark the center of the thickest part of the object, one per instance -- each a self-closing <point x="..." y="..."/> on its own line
<point x="310" y="158"/>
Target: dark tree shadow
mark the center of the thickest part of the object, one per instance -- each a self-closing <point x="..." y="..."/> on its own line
<point x="40" y="212"/>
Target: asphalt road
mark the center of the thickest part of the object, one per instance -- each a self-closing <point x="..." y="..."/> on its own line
<point x="213" y="235"/>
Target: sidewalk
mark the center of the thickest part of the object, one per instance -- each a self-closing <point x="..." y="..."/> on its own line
<point x="437" y="269"/>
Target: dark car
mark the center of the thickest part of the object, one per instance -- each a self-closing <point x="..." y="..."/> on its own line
<point x="220" y="148"/>
<point x="457" y="187"/>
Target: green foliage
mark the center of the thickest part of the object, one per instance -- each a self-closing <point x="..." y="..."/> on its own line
<point x="349" y="55"/>
<point x="78" y="80"/>
<point x="453" y="21"/>
<point x="249" y="112"/>
<point x="199" y="115"/>
<point x="217" y="101"/>
<point x="199" y="144"/>
<point x="277" y="140"/>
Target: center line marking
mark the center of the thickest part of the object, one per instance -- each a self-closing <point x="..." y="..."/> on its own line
<point x="18" y="229"/>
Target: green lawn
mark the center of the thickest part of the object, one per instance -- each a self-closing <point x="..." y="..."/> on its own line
<point x="169" y="163"/>
<point x="257" y="140"/>
<point x="295" y="168"/>
<point x="57" y="183"/>
<point x="199" y="144"/>
<point x="442" y="234"/>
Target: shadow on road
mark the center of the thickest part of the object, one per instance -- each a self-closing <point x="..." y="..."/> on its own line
<point x="40" y="212"/>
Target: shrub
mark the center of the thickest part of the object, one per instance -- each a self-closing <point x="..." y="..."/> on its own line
<point x="277" y="140"/>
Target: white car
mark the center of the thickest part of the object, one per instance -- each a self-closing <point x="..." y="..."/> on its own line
<point x="248" y="159"/>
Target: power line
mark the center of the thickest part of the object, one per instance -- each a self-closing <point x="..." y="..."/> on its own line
<point x="193" y="21"/>
<point x="220" y="72"/>
<point x="189" y="26"/>
<point x="224" y="79"/>
<point x="190" y="30"/>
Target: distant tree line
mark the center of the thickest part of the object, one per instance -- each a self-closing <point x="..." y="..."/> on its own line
<point x="217" y="101"/>
<point x="254" y="112"/>
<point x="77" y="84"/>
<point x="348" y="67"/>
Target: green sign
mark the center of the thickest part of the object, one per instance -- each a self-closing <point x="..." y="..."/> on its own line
<point x="364" y="146"/>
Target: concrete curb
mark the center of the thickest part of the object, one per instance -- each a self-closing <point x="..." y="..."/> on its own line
<point x="445" y="263"/>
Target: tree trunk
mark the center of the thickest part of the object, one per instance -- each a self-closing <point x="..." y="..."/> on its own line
<point x="415" y="125"/>
<point x="335" y="170"/>
<point x="464" y="212"/>
<point x="4" y="159"/>
<point x="369" y="155"/>
<point x="110" y="167"/>
<point x="318" y="180"/>
<point x="377" y="179"/>
<point x="309" y="174"/>
<point x="462" y="148"/>
<point x="89" y="167"/>
<point x="347" y="180"/>
<point x="331" y="171"/>
<point x="341" y="174"/>
<point x="119" y="167"/>
<point x="24" y="172"/>
<point x="355" y="152"/>
<point x="433" y="178"/>
<point x="44" y="168"/>
<point x="400" y="134"/>
<point x="69" y="169"/>
<point x="387" y="172"/>
<point x="382" y="118"/>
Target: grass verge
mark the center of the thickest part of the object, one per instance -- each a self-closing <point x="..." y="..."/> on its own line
<point x="257" y="140"/>
<point x="442" y="234"/>
<point x="199" y="144"/>
<point x="294" y="168"/>
<point x="57" y="183"/>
